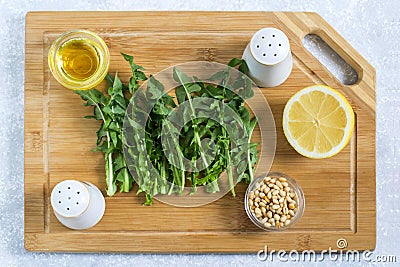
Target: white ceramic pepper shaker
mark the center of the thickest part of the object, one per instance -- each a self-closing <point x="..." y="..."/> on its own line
<point x="268" y="57"/>
<point x="77" y="205"/>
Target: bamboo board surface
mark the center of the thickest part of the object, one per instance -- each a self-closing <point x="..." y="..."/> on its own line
<point x="339" y="191"/>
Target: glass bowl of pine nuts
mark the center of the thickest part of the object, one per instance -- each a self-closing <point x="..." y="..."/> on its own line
<point x="274" y="202"/>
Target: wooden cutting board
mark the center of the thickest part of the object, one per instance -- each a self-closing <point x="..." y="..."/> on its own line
<point x="339" y="191"/>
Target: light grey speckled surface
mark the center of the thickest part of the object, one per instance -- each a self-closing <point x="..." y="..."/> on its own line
<point x="372" y="27"/>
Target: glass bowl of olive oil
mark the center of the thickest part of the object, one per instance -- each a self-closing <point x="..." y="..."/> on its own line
<point x="79" y="59"/>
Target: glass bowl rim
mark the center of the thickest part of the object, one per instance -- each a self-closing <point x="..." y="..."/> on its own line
<point x="93" y="80"/>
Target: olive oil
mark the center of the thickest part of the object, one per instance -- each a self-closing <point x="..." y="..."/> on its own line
<point x="78" y="58"/>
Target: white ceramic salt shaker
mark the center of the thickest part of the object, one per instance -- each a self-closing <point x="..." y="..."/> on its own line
<point x="268" y="57"/>
<point x="77" y="205"/>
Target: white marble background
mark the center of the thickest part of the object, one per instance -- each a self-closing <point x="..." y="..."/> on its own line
<point x="372" y="27"/>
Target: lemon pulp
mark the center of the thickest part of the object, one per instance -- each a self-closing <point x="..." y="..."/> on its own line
<point x="318" y="121"/>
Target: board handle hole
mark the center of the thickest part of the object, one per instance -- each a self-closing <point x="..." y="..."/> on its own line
<point x="330" y="59"/>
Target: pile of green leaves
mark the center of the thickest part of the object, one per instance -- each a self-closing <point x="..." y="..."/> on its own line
<point x="168" y="175"/>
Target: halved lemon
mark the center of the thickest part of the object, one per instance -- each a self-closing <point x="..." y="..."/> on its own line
<point x="318" y="121"/>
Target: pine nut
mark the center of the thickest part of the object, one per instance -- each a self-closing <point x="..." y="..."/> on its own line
<point x="285" y="210"/>
<point x="263" y="210"/>
<point x="257" y="211"/>
<point x="275" y="207"/>
<point x="273" y="202"/>
<point x="289" y="199"/>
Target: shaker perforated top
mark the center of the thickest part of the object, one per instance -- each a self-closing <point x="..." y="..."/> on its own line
<point x="269" y="46"/>
<point x="70" y="198"/>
